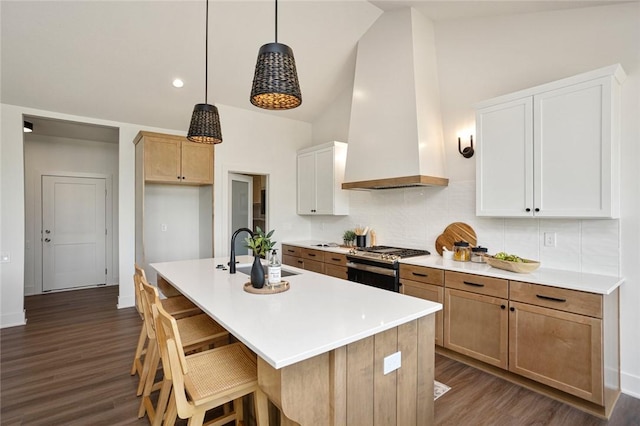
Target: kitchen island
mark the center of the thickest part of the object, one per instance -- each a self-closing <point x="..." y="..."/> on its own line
<point x="324" y="345"/>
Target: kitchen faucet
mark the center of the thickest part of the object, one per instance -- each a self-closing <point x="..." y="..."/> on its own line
<point x="232" y="260"/>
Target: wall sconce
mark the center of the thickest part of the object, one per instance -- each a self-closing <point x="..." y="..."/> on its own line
<point x="467" y="152"/>
<point x="27" y="127"/>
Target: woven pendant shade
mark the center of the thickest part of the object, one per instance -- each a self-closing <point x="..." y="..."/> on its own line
<point x="275" y="82"/>
<point x="205" y="120"/>
<point x="205" y="125"/>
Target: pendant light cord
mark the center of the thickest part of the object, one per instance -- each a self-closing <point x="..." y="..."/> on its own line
<point x="276" y="21"/>
<point x="206" y="53"/>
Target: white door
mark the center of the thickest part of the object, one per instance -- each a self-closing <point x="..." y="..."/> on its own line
<point x="240" y="208"/>
<point x="73" y="232"/>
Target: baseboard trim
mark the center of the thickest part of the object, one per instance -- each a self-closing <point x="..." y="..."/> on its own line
<point x="630" y="384"/>
<point x="13" y="320"/>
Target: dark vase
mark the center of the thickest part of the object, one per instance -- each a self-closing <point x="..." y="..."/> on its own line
<point x="257" y="273"/>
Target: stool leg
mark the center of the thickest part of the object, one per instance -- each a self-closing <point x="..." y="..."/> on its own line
<point x="139" y="351"/>
<point x="262" y="407"/>
<point x="163" y="401"/>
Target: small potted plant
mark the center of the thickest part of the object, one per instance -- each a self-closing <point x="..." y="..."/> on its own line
<point x="348" y="237"/>
<point x="261" y="244"/>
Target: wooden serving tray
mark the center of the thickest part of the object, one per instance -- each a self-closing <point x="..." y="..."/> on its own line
<point x="520" y="267"/>
<point x="282" y="287"/>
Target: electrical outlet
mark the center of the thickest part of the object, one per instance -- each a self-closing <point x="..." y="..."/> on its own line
<point x="549" y="239"/>
<point x="392" y="362"/>
<point x="5" y="257"/>
<point x="163" y="227"/>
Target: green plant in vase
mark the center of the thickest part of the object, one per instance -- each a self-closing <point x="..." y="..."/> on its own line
<point x="349" y="237"/>
<point x="261" y="244"/>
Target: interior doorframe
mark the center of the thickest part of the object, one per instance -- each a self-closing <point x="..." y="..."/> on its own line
<point x="37" y="225"/>
<point x="249" y="180"/>
<point x="223" y="234"/>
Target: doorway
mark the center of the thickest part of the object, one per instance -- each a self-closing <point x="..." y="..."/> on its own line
<point x="247" y="205"/>
<point x="73" y="232"/>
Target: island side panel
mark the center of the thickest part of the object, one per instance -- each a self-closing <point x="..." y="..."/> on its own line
<point x="426" y="360"/>
<point x="360" y="382"/>
<point x="407" y="399"/>
<point x="338" y="386"/>
<point x="385" y="385"/>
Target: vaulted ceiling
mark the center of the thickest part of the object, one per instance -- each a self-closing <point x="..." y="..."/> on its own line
<point x="116" y="60"/>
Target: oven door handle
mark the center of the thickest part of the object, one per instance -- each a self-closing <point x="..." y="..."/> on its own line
<point x="374" y="269"/>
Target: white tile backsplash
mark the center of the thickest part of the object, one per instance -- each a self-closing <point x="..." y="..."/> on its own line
<point x="414" y="217"/>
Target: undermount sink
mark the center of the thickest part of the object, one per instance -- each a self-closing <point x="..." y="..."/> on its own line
<point x="247" y="271"/>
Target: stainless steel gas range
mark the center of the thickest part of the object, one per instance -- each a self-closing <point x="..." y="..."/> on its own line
<point x="378" y="266"/>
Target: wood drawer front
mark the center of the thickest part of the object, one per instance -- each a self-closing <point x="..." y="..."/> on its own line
<point x="293" y="261"/>
<point x="430" y="292"/>
<point x="335" y="259"/>
<point x="495" y="287"/>
<point x="577" y="302"/>
<point x="291" y="250"/>
<point x="313" y="265"/>
<point x="312" y="254"/>
<point x="422" y="274"/>
<point x="335" y="271"/>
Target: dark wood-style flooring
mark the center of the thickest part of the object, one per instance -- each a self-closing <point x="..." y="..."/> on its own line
<point x="70" y="366"/>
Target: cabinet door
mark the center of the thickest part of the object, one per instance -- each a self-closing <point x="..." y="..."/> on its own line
<point x="161" y="160"/>
<point x="559" y="349"/>
<point x="197" y="163"/>
<point x="504" y="164"/>
<point x="292" y="261"/>
<point x="324" y="181"/>
<point x="306" y="183"/>
<point x="430" y="292"/>
<point x="314" y="266"/>
<point x="477" y="326"/>
<point x="572" y="151"/>
<point x="335" y="271"/>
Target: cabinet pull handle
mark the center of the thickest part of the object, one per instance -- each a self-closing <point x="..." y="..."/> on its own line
<point x="183" y="178"/>
<point x="537" y="209"/>
<point x="512" y="309"/>
<point x="420" y="275"/>
<point x="177" y="177"/>
<point x="503" y="307"/>
<point x="291" y="251"/>
<point x="300" y="261"/>
<point x="473" y="284"/>
<point x="552" y="299"/>
<point x="527" y="209"/>
<point x="335" y="259"/>
<point x="312" y="254"/>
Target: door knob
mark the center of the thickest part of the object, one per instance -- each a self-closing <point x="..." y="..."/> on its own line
<point x="46" y="240"/>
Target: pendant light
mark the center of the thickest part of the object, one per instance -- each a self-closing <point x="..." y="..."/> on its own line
<point x="205" y="121"/>
<point x="275" y="82"/>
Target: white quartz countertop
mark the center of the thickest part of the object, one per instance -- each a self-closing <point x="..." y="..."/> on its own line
<point x="592" y="283"/>
<point x="317" y="314"/>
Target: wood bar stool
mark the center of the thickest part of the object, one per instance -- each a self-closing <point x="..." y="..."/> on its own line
<point x="198" y="331"/>
<point x="178" y="306"/>
<point x="205" y="380"/>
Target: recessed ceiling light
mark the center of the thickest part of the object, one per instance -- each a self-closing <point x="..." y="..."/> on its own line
<point x="178" y="83"/>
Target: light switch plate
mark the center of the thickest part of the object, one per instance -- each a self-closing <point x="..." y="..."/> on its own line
<point x="392" y="362"/>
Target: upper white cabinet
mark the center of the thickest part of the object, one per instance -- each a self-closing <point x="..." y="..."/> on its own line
<point x="320" y="176"/>
<point x="551" y="151"/>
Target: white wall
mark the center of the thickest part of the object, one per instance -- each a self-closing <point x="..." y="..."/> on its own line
<point x="253" y="142"/>
<point x="73" y="157"/>
<point x="486" y="57"/>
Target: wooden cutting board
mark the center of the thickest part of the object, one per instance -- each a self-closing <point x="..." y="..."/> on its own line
<point x="457" y="231"/>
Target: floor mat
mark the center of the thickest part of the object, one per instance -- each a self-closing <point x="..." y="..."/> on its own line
<point x="439" y="389"/>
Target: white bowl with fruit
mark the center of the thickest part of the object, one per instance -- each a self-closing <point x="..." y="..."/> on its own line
<point x="511" y="262"/>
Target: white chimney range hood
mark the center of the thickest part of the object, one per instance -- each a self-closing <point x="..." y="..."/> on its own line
<point x="395" y="131"/>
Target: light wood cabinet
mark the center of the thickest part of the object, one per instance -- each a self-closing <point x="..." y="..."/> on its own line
<point x="175" y="160"/>
<point x="566" y="339"/>
<point x="320" y="261"/>
<point x="173" y="199"/>
<point x="476" y="320"/>
<point x="527" y="140"/>
<point x="425" y="283"/>
<point x="320" y="172"/>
